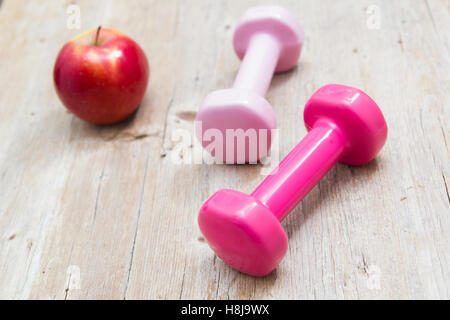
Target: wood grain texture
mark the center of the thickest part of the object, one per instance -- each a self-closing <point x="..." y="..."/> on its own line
<point x="105" y="212"/>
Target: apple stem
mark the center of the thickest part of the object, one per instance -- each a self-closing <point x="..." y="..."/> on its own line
<point x="97" y="35"/>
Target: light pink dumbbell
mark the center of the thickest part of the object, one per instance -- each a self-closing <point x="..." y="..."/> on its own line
<point x="344" y="125"/>
<point x="268" y="39"/>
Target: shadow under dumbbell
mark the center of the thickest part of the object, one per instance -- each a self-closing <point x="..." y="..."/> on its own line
<point x="279" y="79"/>
<point x="335" y="182"/>
<point x="234" y="284"/>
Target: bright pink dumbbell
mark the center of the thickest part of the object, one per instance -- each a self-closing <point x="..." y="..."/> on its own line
<point x="268" y="39"/>
<point x="344" y="125"/>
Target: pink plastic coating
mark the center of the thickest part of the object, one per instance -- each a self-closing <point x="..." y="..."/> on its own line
<point x="301" y="170"/>
<point x="258" y="66"/>
<point x="268" y="39"/>
<point x="344" y="125"/>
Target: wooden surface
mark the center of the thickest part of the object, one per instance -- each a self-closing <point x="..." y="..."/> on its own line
<point x="105" y="212"/>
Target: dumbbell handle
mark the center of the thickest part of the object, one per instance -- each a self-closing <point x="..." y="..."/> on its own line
<point x="258" y="65"/>
<point x="301" y="169"/>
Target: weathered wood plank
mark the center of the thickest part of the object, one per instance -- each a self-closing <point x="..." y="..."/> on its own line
<point x="107" y="212"/>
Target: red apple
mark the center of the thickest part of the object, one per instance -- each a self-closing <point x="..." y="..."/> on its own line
<point x="101" y="76"/>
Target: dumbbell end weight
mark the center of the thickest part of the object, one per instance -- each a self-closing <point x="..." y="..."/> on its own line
<point x="237" y="119"/>
<point x="243" y="232"/>
<point x="355" y="114"/>
<point x="277" y="22"/>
